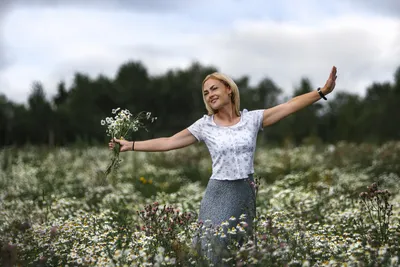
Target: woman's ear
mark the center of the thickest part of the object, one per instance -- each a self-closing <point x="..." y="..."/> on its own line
<point x="229" y="89"/>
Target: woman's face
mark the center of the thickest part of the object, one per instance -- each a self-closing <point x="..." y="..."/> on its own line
<point x="216" y="93"/>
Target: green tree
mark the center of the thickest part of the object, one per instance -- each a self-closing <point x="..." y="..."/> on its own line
<point x="342" y="118"/>
<point x="396" y="84"/>
<point x="177" y="99"/>
<point x="83" y="114"/>
<point x="40" y="115"/>
<point x="131" y="87"/>
<point x="61" y="124"/>
<point x="380" y="113"/>
<point x="267" y="95"/>
<point x="5" y="121"/>
<point x="304" y="123"/>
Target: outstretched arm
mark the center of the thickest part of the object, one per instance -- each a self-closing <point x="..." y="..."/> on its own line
<point x="275" y="114"/>
<point x="182" y="139"/>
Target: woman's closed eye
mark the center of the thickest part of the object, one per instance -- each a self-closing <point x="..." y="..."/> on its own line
<point x="213" y="88"/>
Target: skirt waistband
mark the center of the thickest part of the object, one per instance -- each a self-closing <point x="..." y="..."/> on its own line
<point x="248" y="178"/>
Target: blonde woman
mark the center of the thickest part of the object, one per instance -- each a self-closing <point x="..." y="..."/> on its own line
<point x="230" y="135"/>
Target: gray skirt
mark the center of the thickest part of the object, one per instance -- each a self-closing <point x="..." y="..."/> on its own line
<point x="226" y="201"/>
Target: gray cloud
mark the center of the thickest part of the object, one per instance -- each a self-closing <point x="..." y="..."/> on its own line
<point x="139" y="5"/>
<point x="363" y="48"/>
<point x="361" y="54"/>
<point x="4" y="6"/>
<point x="384" y="7"/>
<point x="3" y="61"/>
<point x="148" y="6"/>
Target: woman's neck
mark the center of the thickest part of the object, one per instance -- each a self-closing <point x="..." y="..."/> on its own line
<point x="226" y="114"/>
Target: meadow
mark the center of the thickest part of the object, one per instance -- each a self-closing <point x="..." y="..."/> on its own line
<point x="317" y="205"/>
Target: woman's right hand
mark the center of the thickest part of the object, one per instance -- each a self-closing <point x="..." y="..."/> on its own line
<point x="124" y="144"/>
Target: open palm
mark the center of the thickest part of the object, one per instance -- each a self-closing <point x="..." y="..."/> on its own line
<point x="331" y="82"/>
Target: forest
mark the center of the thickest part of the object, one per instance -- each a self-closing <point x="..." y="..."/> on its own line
<point x="73" y="114"/>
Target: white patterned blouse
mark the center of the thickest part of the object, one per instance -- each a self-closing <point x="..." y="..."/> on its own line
<point x="231" y="147"/>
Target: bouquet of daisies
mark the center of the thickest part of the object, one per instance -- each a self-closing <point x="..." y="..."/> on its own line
<point x="122" y="125"/>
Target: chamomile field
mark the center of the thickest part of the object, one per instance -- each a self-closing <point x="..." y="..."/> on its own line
<point x="331" y="205"/>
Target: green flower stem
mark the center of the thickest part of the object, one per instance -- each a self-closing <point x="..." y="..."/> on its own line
<point x="114" y="159"/>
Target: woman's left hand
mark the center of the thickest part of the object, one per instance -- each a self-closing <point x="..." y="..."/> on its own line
<point x="330" y="83"/>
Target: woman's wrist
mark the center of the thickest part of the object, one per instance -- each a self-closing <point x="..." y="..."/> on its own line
<point x="324" y="90"/>
<point x="321" y="92"/>
<point x="133" y="146"/>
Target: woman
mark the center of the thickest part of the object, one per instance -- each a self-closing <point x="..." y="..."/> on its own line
<point x="230" y="135"/>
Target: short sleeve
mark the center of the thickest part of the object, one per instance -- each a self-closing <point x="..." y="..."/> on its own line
<point x="257" y="117"/>
<point x="196" y="129"/>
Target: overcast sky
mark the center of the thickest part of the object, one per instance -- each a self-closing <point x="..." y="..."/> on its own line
<point x="285" y="40"/>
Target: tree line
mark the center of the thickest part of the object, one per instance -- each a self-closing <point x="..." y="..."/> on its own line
<point x="73" y="114"/>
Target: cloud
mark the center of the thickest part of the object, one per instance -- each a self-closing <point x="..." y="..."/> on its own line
<point x="363" y="49"/>
<point x="382" y="7"/>
<point x="3" y="59"/>
<point x="50" y="44"/>
<point x="137" y="5"/>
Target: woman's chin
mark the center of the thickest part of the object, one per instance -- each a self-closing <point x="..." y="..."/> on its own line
<point x="215" y="107"/>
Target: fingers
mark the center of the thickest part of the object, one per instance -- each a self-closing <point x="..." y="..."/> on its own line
<point x="333" y="73"/>
<point x="111" y="145"/>
<point x="112" y="142"/>
<point x="119" y="141"/>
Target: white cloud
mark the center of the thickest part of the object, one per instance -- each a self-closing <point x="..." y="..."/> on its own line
<point x="364" y="50"/>
<point x="51" y="44"/>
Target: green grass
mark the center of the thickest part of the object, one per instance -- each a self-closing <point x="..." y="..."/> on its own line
<point x="57" y="208"/>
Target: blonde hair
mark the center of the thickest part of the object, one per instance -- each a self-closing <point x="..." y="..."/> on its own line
<point x="227" y="81"/>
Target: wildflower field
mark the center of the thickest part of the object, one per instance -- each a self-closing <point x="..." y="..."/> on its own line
<point x="316" y="206"/>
